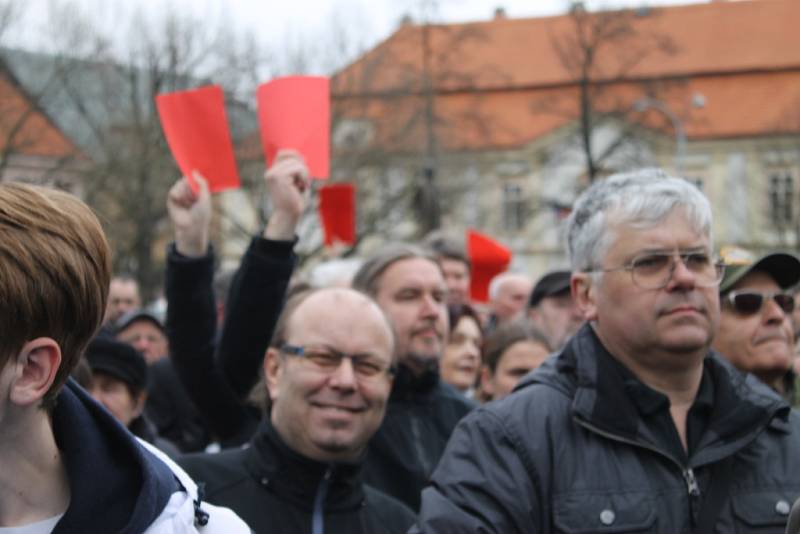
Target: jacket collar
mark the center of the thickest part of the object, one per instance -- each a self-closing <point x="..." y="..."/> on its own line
<point x="743" y="406"/>
<point x="115" y="484"/>
<point x="408" y="386"/>
<point x="297" y="478"/>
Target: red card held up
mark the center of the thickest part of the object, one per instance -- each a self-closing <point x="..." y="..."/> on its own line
<point x="489" y="258"/>
<point x="197" y="132"/>
<point x="294" y="112"/>
<point x="337" y="213"/>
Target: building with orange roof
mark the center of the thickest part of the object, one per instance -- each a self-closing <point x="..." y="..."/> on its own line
<point x="709" y="91"/>
<point x="32" y="148"/>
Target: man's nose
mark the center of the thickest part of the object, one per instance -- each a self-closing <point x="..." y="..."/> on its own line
<point x="682" y="276"/>
<point x="430" y="306"/>
<point x="344" y="376"/>
<point x="772" y="312"/>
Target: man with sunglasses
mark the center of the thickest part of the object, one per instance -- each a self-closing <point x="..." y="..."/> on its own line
<point x="755" y="330"/>
<point x="635" y="425"/>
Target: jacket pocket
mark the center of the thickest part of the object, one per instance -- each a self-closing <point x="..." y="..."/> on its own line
<point x="762" y="511"/>
<point x="588" y="513"/>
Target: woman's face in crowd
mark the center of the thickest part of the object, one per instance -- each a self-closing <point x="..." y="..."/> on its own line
<point x="461" y="359"/>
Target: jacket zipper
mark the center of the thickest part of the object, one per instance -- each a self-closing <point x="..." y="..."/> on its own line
<point x="421" y="453"/>
<point x="692" y="487"/>
<point x="318" y="516"/>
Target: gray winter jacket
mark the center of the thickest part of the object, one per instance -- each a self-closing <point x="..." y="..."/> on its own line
<point x="564" y="455"/>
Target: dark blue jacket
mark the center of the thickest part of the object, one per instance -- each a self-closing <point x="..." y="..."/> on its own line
<point x="118" y="485"/>
<point x="115" y="484"/>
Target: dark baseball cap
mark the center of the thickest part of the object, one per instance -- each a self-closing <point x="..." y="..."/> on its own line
<point x="137" y="315"/>
<point x="119" y="360"/>
<point x="783" y="267"/>
<point x="552" y="284"/>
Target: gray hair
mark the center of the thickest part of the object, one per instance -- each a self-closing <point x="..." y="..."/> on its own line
<point x="368" y="276"/>
<point x="641" y="198"/>
<point x="499" y="280"/>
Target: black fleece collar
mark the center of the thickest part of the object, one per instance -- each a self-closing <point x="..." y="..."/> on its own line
<point x="296" y="478"/>
<point x="116" y="485"/>
<point x="408" y="386"/>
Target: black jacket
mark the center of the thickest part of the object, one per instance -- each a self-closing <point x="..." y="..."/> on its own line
<point x="218" y="376"/>
<point x="565" y="453"/>
<point x="275" y="490"/>
<point x="420" y="416"/>
<point x="170" y="409"/>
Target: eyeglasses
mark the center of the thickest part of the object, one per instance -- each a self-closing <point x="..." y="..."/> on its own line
<point x="654" y="270"/>
<point x="328" y="360"/>
<point x="750" y="302"/>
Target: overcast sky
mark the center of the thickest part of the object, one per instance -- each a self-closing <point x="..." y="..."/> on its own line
<point x="378" y="18"/>
<point x="274" y="20"/>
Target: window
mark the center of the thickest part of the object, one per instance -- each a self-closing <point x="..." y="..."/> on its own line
<point x="781" y="196"/>
<point x="513" y="208"/>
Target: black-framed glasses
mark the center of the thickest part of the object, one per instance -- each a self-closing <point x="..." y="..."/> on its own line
<point x="328" y="360"/>
<point x="654" y="270"/>
<point x="749" y="302"/>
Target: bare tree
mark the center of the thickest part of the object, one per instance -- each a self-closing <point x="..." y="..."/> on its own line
<point x="391" y="127"/>
<point x="100" y="85"/>
<point x="600" y="53"/>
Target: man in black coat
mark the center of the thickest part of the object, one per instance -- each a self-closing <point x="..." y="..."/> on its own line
<point x="636" y="425"/>
<point x="408" y="284"/>
<point x="329" y="372"/>
<point x="328" y="377"/>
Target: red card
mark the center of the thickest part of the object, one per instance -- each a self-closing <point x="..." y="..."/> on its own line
<point x="337" y="211"/>
<point x="294" y="112"/>
<point x="489" y="258"/>
<point x="197" y="132"/>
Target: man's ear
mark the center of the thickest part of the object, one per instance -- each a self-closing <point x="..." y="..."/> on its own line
<point x="38" y="362"/>
<point x="584" y="291"/>
<point x="273" y="368"/>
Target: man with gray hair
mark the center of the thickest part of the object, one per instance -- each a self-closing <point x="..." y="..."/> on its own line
<point x="636" y="425"/>
<point x="508" y="294"/>
<point x="407" y="283"/>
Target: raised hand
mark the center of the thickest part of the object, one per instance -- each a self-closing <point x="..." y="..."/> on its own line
<point x="190" y="213"/>
<point x="288" y="184"/>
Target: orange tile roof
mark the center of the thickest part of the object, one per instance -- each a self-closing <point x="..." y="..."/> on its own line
<point x="496" y="80"/>
<point x="26" y="128"/>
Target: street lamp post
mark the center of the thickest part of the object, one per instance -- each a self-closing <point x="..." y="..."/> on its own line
<point x="680" y="135"/>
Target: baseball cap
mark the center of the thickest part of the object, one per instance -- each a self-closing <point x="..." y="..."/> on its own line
<point x="783" y="267"/>
<point x="137" y="315"/>
<point x="551" y="284"/>
<point x="119" y="360"/>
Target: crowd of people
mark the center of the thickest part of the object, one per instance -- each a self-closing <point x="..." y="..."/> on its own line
<point x="646" y="388"/>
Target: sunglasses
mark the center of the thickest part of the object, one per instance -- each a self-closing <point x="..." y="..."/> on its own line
<point x="750" y="302"/>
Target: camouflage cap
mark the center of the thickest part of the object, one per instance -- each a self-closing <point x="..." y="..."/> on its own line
<point x="783" y="267"/>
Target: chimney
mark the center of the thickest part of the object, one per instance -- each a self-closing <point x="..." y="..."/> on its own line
<point x="500" y="13"/>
